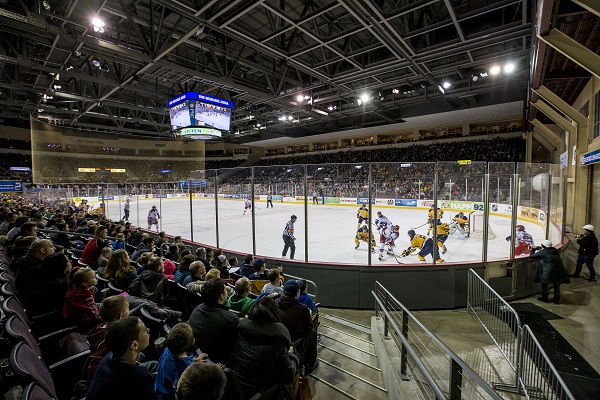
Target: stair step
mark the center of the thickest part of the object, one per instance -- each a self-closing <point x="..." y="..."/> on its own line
<point x="348" y="323"/>
<point x="346" y="385"/>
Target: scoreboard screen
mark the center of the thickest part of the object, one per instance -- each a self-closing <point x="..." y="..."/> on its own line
<point x="193" y="109"/>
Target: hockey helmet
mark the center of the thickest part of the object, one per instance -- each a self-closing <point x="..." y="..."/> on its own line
<point x="461" y="213"/>
<point x="520" y="228"/>
<point x="396" y="228"/>
<point x="379" y="213"/>
<point x="588" y="227"/>
<point x="363" y="228"/>
<point x="411" y="233"/>
<point x="293" y="217"/>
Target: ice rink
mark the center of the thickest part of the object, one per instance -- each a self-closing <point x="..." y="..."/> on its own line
<point x="331" y="229"/>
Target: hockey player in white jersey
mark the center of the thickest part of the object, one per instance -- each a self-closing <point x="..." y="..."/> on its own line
<point x="247" y="205"/>
<point x="382" y="221"/>
<point x="387" y="237"/>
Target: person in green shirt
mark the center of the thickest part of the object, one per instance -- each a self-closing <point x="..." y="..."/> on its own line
<point x="239" y="301"/>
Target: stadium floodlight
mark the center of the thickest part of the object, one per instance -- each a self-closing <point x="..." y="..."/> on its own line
<point x="446" y="84"/>
<point x="510" y="67"/>
<point x="299" y="98"/>
<point x="365" y="97"/>
<point x="495" y="70"/>
<point x="395" y="91"/>
<point x="98" y="25"/>
<point x="46" y="5"/>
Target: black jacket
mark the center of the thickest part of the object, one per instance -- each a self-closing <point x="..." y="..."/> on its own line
<point x="27" y="268"/>
<point x="262" y="358"/>
<point x="588" y="245"/>
<point x="215" y="330"/>
<point x="151" y="285"/>
<point x="295" y="316"/>
<point x="551" y="268"/>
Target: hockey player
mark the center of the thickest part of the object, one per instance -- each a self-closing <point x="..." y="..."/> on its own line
<point x="462" y="223"/>
<point x="153" y="217"/>
<point x="443" y="230"/>
<point x="387" y="237"/>
<point x="363" y="234"/>
<point x="430" y="213"/>
<point x="363" y="215"/>
<point x="289" y="238"/>
<point x="382" y="221"/>
<point x="422" y="243"/>
<point x="523" y="241"/>
<point x="247" y="205"/>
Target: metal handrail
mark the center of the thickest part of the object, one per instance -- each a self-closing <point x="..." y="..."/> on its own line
<point x="456" y="360"/>
<point x="485" y="298"/>
<point x="550" y="384"/>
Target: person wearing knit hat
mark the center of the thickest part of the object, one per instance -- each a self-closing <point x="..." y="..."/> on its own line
<point x="550" y="270"/>
<point x="588" y="250"/>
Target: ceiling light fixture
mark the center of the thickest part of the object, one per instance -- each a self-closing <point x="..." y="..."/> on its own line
<point x="364" y="97"/>
<point x="495" y="70"/>
<point x="96" y="63"/>
<point x="446" y="84"/>
<point x="46" y="5"/>
<point x="508" y="68"/>
<point x="98" y="25"/>
<point x="395" y="91"/>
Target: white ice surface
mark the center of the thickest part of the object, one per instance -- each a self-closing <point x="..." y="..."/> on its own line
<point x="331" y="229"/>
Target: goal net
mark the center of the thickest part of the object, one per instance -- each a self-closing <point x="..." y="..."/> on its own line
<point x="476" y="226"/>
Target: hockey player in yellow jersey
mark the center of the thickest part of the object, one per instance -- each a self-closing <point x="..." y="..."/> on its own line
<point x="462" y="223"/>
<point x="422" y="243"/>
<point x="430" y="219"/>
<point x="443" y="230"/>
<point x="363" y="234"/>
<point x="363" y="215"/>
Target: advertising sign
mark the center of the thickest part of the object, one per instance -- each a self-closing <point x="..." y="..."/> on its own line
<point x="387" y="202"/>
<point x="11" y="186"/>
<point x="405" y="202"/>
<point x="348" y="200"/>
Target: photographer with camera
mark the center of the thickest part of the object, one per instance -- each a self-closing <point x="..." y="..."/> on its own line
<point x="588" y="250"/>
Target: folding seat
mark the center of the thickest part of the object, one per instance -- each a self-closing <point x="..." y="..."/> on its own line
<point x="33" y="391"/>
<point x="8" y="289"/>
<point x="234" y="391"/>
<point x="6" y="276"/>
<point x="112" y="290"/>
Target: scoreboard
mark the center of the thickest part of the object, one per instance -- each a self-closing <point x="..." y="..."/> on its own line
<point x="101" y="170"/>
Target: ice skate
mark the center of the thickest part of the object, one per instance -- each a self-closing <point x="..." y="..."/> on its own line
<point x="356" y="247"/>
<point x="444" y="249"/>
<point x="421" y="258"/>
<point x="439" y="261"/>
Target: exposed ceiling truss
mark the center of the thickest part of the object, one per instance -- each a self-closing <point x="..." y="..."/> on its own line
<point x="261" y="55"/>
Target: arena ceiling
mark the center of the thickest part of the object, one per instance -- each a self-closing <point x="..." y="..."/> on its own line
<point x="263" y="54"/>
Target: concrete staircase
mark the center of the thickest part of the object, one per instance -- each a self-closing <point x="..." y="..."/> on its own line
<point x="348" y="367"/>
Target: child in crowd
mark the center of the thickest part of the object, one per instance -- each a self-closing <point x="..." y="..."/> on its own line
<point x="112" y="309"/>
<point x="119" y="243"/>
<point x="104" y="256"/>
<point x="275" y="282"/>
<point x="174" y="360"/>
<point x="183" y="271"/>
<point x="80" y="307"/>
<point x="169" y="268"/>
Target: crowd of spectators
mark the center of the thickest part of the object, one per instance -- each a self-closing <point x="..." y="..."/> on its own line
<point x="265" y="337"/>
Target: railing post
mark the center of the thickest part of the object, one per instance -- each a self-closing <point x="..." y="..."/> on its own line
<point x="455" y="381"/>
<point x="403" y="352"/>
<point x="385" y="323"/>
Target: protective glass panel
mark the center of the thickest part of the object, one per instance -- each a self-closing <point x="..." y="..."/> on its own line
<point x="534" y="181"/>
<point x="401" y="191"/>
<point x="278" y="194"/>
<point x="501" y="206"/>
<point x="234" y="217"/>
<point x="555" y="220"/>
<point x="333" y="193"/>
<point x="204" y="204"/>
<point x="461" y="198"/>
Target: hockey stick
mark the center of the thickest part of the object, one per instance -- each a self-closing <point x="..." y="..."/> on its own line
<point x="421" y="225"/>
